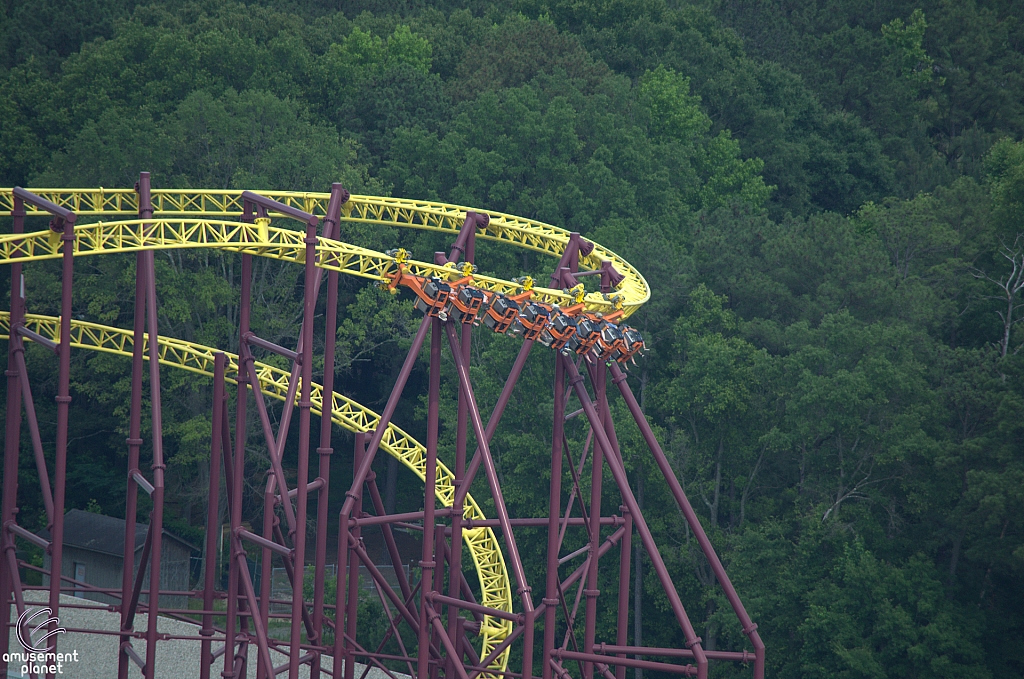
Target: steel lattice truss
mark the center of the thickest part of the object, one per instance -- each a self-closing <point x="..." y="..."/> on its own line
<point x="461" y="630"/>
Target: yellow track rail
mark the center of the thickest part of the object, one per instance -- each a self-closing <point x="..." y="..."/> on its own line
<point x="191" y="209"/>
<point x="496" y="591"/>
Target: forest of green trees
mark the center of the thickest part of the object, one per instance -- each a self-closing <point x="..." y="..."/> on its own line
<point x="826" y="197"/>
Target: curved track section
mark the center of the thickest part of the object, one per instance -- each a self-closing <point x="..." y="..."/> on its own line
<point x="484" y="548"/>
<point x="205" y="206"/>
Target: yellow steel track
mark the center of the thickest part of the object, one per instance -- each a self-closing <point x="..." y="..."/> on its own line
<point x="196" y="218"/>
<point x="483" y="545"/>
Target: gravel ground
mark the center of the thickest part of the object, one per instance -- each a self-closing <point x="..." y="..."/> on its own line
<point x="97" y="653"/>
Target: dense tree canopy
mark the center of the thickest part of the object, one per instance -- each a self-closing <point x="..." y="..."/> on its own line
<point x="827" y="198"/>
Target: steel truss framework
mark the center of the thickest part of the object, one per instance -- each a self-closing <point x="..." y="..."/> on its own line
<point x="461" y="631"/>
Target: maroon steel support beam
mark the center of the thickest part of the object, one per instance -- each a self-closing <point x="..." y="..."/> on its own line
<point x="427" y="563"/>
<point x="237" y="472"/>
<point x="245" y="358"/>
<point x="622" y="614"/>
<point x="140" y="576"/>
<point x="596" y="479"/>
<point x="60" y="214"/>
<point x="551" y="593"/>
<point x="455" y="602"/>
<point x="463" y="244"/>
<point x="251" y="339"/>
<point x="263" y="542"/>
<point x="262" y="644"/>
<point x="12" y="444"/>
<point x="37" y="338"/>
<point x="692" y="640"/>
<point x="435" y="621"/>
<point x="66" y="221"/>
<point x="33" y="427"/>
<point x="342" y="656"/>
<point x="740" y="656"/>
<point x="749" y="628"/>
<point x="157" y="496"/>
<point x="63" y="222"/>
<point x="571" y="257"/>
<point x="331" y="229"/>
<point x="299" y="539"/>
<point x="134" y="443"/>
<point x="20" y="532"/>
<point x="212" y="516"/>
<point x="439" y="559"/>
<point x="254" y="199"/>
<point x="688" y="670"/>
<point x="455" y="556"/>
<point x="352" y="599"/>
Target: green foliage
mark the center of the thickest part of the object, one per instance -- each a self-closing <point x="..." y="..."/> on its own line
<point x="1004" y="166"/>
<point x="674" y="111"/>
<point x="872" y="618"/>
<point x="909" y="60"/>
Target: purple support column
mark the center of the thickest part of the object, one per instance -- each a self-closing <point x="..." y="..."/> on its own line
<point x="455" y="559"/>
<point x="128" y="599"/>
<point x="299" y="540"/>
<point x="749" y="628"/>
<point x="266" y="556"/>
<point x="551" y="590"/>
<point x="352" y="607"/>
<point x="63" y="405"/>
<point x="12" y="442"/>
<point x="33" y="425"/>
<point x="342" y="657"/>
<point x="622" y="615"/>
<point x="331" y="229"/>
<point x="429" y="501"/>
<point x="692" y="640"/>
<point x="237" y="472"/>
<point x="435" y="590"/>
<point x="156" y="515"/>
<point x="596" y="479"/>
<point x="134" y="444"/>
<point x="212" y="515"/>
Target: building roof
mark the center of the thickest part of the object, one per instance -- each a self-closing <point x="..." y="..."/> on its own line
<point x="103" y="534"/>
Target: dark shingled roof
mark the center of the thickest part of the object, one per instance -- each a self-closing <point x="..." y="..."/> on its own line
<point x="104" y="534"/>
